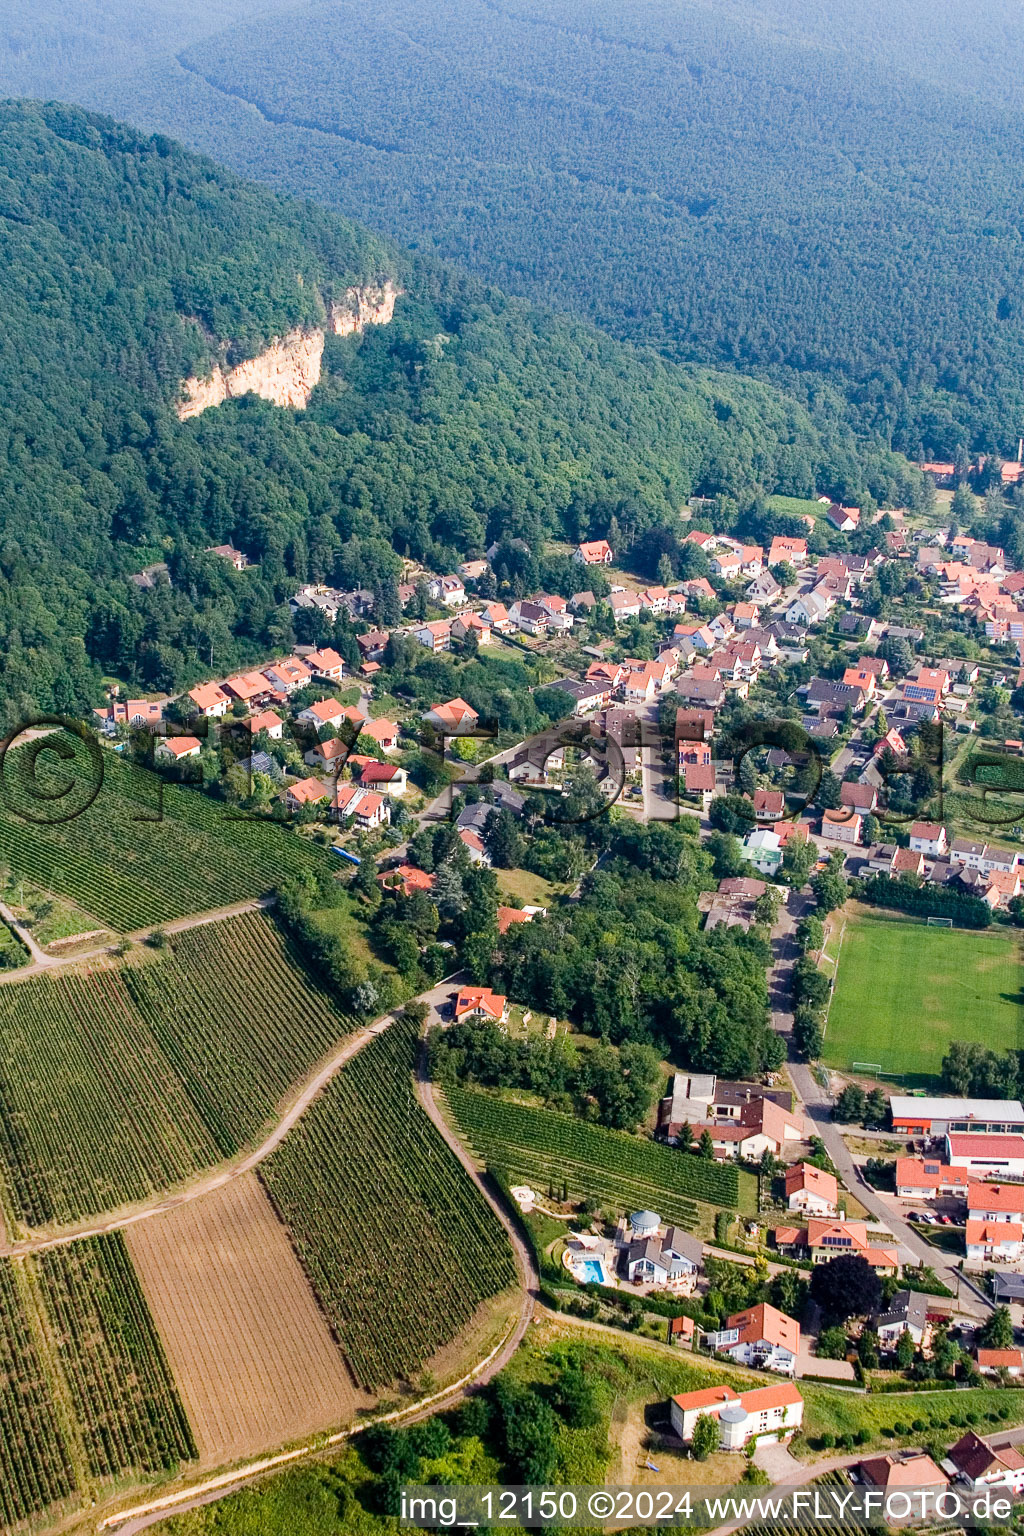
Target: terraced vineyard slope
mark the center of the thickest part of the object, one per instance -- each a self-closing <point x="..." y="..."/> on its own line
<point x="547" y="1150"/>
<point x="398" y="1243"/>
<point x="141" y="852"/>
<point x="118" y="1083"/>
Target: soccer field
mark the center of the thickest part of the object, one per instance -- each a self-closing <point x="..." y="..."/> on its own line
<point x="905" y="990"/>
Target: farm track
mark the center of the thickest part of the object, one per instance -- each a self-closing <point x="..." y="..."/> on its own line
<point x="218" y="1177"/>
<point x="131" y="1521"/>
<point x="42" y="962"/>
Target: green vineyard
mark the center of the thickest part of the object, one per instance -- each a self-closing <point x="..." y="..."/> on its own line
<point x="118" y="1377"/>
<point x="35" y="1464"/>
<point x="117" y="1083"/>
<point x="398" y="1243"/>
<point x="145" y="851"/>
<point x="547" y="1150"/>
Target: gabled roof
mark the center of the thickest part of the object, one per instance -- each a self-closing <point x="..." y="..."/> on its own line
<point x="1005" y="1198"/>
<point x="767" y="1323"/>
<point x="974" y="1457"/>
<point x="455" y="712"/>
<point x="1001" y="1359"/>
<point x="817" y="1181"/>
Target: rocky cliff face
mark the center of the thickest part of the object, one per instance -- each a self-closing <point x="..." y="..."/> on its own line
<point x="288" y="370"/>
<point x="360" y="307"/>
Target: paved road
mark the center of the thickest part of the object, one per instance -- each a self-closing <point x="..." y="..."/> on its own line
<point x="818" y="1106"/>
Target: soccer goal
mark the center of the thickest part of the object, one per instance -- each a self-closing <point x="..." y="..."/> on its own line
<point x="940" y="922"/>
<point x="866" y="1066"/>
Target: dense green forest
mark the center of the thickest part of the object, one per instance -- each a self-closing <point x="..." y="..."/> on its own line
<point x="126" y="263"/>
<point x="829" y="197"/>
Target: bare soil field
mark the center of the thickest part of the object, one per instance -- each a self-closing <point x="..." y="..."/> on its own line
<point x="253" y="1359"/>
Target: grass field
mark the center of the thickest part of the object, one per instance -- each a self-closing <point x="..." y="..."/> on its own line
<point x="904" y="991"/>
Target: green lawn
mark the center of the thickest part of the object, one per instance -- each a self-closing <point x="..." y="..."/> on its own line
<point x="905" y="990"/>
<point x="798" y="506"/>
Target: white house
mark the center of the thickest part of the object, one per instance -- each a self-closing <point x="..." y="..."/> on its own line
<point x="174" y="749"/>
<point x="810" y="608"/>
<point x="763" y="849"/>
<point x="812" y="1190"/>
<point x="929" y="838"/>
<point x="673" y="1261"/>
<point x="907" y="1312"/>
<point x="756" y="1415"/>
<point x="761" y="1336"/>
<point x="447" y="590"/>
<point x="1001" y="1157"/>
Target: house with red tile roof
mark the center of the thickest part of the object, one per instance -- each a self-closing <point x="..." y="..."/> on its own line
<point x="993" y="1242"/>
<point x="926" y="1178"/>
<point x="453" y="717"/>
<point x="288" y="675"/>
<point x="383" y="732"/>
<point x="595" y="552"/>
<point x="992" y="1361"/>
<point x="326" y="663"/>
<point x="761" y="1125"/>
<point x="175" y="749"/>
<point x="471" y="624"/>
<point x="324" y="712"/>
<point x="858" y="797"/>
<point x="386" y="778"/>
<point x="210" y="700"/>
<point x="928" y="685"/>
<point x="481" y="1003"/>
<point x="814" y="1191"/>
<point x="509" y="917"/>
<point x="436" y="636"/>
<point x="769" y="804"/>
<point x="823" y="1240"/>
<point x="405" y="880"/>
<point x="699" y="782"/>
<point x="793" y="551"/>
<point x="929" y="838"/>
<point x="764" y="1413"/>
<point x="911" y="1469"/>
<point x="841" y="826"/>
<point x="982" y="1467"/>
<point x="305" y="792"/>
<point x="845" y="519"/>
<point x="267" y="721"/>
<point x="761" y="1336"/>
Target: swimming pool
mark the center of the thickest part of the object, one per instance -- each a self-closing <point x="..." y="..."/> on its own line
<point x="590" y="1272"/>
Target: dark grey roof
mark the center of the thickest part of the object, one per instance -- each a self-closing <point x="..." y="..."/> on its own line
<point x="579" y="691"/>
<point x="1007" y="1286"/>
<point x="684" y="1244"/>
<point x="904" y="1307"/>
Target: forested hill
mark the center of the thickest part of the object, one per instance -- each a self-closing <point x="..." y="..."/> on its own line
<point x="730" y="183"/>
<point x="126" y="263"/>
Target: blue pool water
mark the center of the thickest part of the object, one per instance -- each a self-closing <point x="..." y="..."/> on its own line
<point x="590" y="1272"/>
